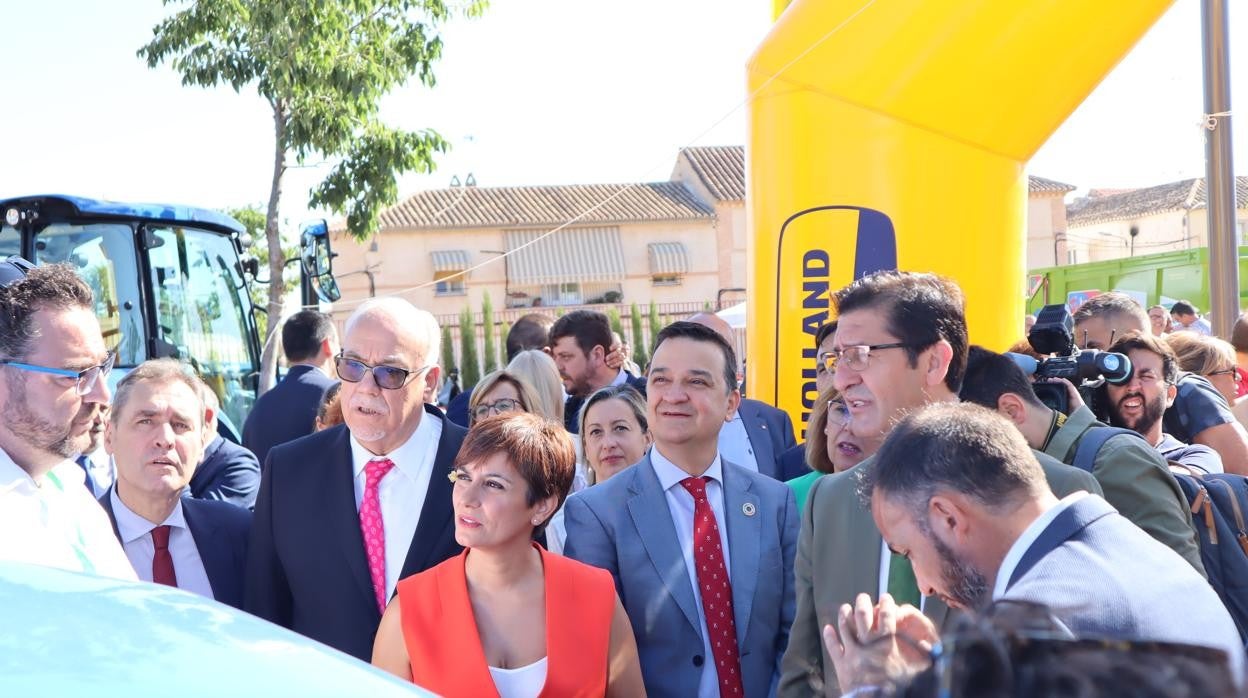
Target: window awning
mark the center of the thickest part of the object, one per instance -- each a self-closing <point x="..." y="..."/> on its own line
<point x="667" y="258"/>
<point x="570" y="255"/>
<point x="450" y="260"/>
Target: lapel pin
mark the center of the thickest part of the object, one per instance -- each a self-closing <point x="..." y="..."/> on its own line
<point x="748" y="509"/>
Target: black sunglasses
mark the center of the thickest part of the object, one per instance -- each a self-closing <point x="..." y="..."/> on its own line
<point x="387" y="377"/>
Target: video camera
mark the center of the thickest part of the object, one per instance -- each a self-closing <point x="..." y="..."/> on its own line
<point x="1053" y="334"/>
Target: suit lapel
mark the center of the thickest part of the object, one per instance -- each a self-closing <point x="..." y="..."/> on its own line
<point x="212" y="553"/>
<point x="648" y="509"/>
<point x="436" y="515"/>
<point x="760" y="439"/>
<point x="106" y="501"/>
<point x="744" y="536"/>
<point x="338" y="507"/>
<point x="864" y="541"/>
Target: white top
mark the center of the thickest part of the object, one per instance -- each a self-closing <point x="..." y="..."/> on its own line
<point x="734" y="444"/>
<point x="680" y="504"/>
<point x="524" y="682"/>
<point x="54" y="521"/>
<point x="136" y="540"/>
<point x="1029" y="536"/>
<point x="402" y="491"/>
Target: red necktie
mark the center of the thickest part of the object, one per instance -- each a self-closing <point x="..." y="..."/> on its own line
<point x="372" y="527"/>
<point x="708" y="557"/>
<point x="162" y="561"/>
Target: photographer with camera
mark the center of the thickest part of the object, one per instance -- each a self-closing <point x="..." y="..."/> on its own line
<point x="1135" y="478"/>
<point x="1199" y="414"/>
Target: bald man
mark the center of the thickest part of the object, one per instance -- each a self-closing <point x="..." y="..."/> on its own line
<point x="758" y="433"/>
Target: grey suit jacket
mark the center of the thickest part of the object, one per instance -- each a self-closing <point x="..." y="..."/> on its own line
<point x="1087" y="566"/>
<point x="625" y="527"/>
<point x="838" y="557"/>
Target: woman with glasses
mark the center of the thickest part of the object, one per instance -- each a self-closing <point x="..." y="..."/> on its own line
<point x="1214" y="359"/>
<point x="500" y="392"/>
<point x="506" y="618"/>
<point x="831" y="447"/>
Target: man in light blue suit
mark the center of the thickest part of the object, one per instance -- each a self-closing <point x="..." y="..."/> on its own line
<point x="701" y="549"/>
<point x="956" y="490"/>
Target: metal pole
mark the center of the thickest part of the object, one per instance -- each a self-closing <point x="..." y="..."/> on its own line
<point x="1219" y="173"/>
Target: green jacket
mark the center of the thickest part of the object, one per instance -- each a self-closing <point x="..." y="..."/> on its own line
<point x="1137" y="482"/>
<point x="838" y="557"/>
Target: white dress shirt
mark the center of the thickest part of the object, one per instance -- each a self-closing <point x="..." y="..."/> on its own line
<point x="136" y="540"/>
<point x="886" y="564"/>
<point x="1029" y="536"/>
<point x="402" y="491"/>
<point x="680" y="504"/>
<point x="734" y="444"/>
<point x="54" y="521"/>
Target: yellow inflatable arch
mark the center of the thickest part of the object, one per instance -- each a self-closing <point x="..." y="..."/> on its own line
<point x="893" y="134"/>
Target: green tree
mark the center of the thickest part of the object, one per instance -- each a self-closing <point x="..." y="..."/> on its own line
<point x="613" y="316"/>
<point x="322" y="67"/>
<point x="656" y="323"/>
<point x="469" y="369"/>
<point x="252" y="218"/>
<point x="641" y="353"/>
<point x="488" y="336"/>
<point x="448" y="353"/>
<point x="502" y="333"/>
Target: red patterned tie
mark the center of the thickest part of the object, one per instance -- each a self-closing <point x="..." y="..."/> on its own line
<point x="708" y="557"/>
<point x="373" y="529"/>
<point x="162" y="561"/>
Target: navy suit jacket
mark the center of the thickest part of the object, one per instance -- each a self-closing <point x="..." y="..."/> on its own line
<point x="221" y="534"/>
<point x="228" y="473"/>
<point x="625" y="527"/>
<point x="793" y="463"/>
<point x="572" y="406"/>
<point x="457" y="411"/>
<point x="1103" y="577"/>
<point x="287" y="411"/>
<point x="306" y="568"/>
<point x="771" y="434"/>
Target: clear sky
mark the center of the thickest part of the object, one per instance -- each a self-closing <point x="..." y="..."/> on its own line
<point x="534" y="92"/>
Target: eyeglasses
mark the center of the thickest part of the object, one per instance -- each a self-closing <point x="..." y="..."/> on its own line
<point x="387" y="377"/>
<point x="857" y="357"/>
<point x="85" y="379"/>
<point x="499" y="406"/>
<point x="838" y="414"/>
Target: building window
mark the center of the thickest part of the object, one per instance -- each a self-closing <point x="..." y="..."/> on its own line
<point x="1072" y="256"/>
<point x="449" y="283"/>
<point x="665" y="279"/>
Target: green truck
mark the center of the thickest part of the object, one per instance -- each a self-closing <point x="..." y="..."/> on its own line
<point x="1151" y="279"/>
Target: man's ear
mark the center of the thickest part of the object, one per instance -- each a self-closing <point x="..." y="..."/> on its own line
<point x="108" y="436"/>
<point x="947" y="517"/>
<point x="939" y="356"/>
<point x="1171" y="392"/>
<point x="1012" y="407"/>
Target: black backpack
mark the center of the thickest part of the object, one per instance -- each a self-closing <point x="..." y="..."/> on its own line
<point x="1218" y="504"/>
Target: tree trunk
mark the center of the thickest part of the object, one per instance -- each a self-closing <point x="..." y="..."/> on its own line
<point x="277" y="262"/>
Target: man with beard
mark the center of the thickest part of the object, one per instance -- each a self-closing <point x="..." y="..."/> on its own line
<point x="956" y="490"/>
<point x="345" y="513"/>
<point x="53" y="368"/>
<point x="579" y="343"/>
<point x="1134" y="477"/>
<point x="1140" y="403"/>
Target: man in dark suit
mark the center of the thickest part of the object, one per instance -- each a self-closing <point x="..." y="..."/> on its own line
<point x="155" y="436"/>
<point x="665" y="527"/>
<point x="530" y="331"/>
<point x="579" y="343"/>
<point x="228" y="472"/>
<point x="758" y="434"/>
<point x="288" y="411"/>
<point x="957" y="490"/>
<point x="344" y="513"/>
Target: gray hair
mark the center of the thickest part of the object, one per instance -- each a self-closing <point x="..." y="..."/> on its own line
<point x="407" y="316"/>
<point x="158" y="371"/>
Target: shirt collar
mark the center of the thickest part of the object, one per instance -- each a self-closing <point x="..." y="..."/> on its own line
<point x="1025" y="541"/>
<point x="15" y="479"/>
<point x="409" y="455"/>
<point x="671" y="474"/>
<point x="620" y="378"/>
<point x="131" y="526"/>
<point x="1062" y="444"/>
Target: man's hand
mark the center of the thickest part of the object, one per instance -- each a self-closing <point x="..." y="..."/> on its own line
<point x="618" y="355"/>
<point x="877" y="644"/>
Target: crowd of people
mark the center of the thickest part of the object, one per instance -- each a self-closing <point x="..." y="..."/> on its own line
<point x="572" y="525"/>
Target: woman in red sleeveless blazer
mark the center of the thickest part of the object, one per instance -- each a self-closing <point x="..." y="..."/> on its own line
<point x="506" y="618"/>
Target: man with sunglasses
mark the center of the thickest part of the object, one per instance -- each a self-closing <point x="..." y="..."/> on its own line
<point x="344" y="513"/>
<point x="53" y="365"/>
<point x="900" y="344"/>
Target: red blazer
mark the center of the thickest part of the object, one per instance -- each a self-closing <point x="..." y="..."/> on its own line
<point x="445" y="652"/>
